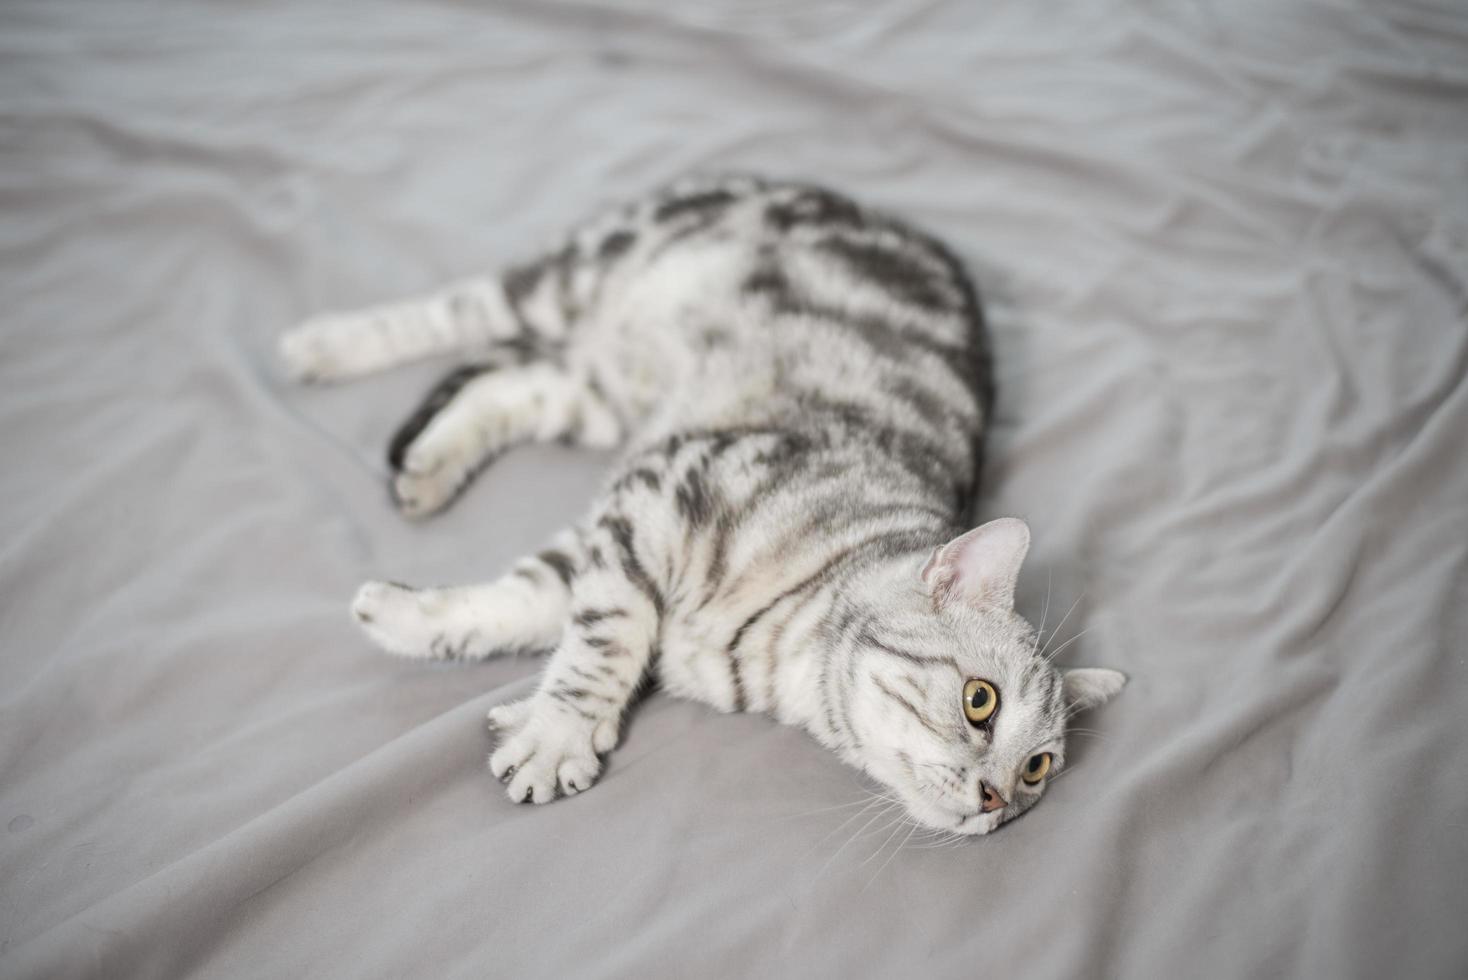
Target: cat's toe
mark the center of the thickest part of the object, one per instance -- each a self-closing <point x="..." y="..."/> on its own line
<point x="550" y="753"/>
<point x="510" y="717"/>
<point x="370" y="599"/>
<point x="422" y="495"/>
<point x="533" y="783"/>
<point x="577" y="773"/>
<point x="504" y="760"/>
<point x="604" y="739"/>
<point x="306" y="354"/>
<point x="388" y="614"/>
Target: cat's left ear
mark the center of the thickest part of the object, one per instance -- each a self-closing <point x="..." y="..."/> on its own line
<point x="980" y="567"/>
<point x="1091" y="687"/>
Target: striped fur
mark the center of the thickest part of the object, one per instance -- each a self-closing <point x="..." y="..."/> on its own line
<point x="801" y="387"/>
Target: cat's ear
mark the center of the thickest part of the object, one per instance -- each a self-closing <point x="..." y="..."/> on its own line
<point x="1091" y="687"/>
<point x="980" y="567"/>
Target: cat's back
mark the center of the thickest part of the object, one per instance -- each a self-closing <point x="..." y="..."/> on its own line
<point x="736" y="300"/>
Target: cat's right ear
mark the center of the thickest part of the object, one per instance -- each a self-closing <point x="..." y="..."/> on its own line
<point x="1091" y="687"/>
<point x="979" y="568"/>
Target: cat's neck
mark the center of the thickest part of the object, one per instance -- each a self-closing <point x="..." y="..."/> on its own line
<point x="810" y="696"/>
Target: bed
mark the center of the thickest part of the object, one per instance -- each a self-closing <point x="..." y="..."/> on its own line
<point x="1224" y="253"/>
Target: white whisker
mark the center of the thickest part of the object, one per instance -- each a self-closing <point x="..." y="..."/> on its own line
<point x="901" y="819"/>
<point x="1062" y="623"/>
<point x="826" y="809"/>
<point x="879" y="815"/>
<point x="855" y="816"/>
<point x="1056" y="652"/>
<point x="901" y="844"/>
<point x="1044" y="613"/>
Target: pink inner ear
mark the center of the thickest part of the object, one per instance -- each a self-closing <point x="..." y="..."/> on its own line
<point x="930" y="569"/>
<point x="980" y="567"/>
<point x="940" y="575"/>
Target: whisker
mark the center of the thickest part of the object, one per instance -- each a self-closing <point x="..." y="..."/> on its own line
<point x="901" y="844"/>
<point x="952" y="840"/>
<point x="1067" y="643"/>
<point x="855" y="816"/>
<point x="901" y="819"/>
<point x="931" y="845"/>
<point x="879" y="815"/>
<point x="1069" y="768"/>
<point x="1044" y="613"/>
<point x="1073" y="711"/>
<point x="1062" y="623"/>
<point x="828" y="809"/>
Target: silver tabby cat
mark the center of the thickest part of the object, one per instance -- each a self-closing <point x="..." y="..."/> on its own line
<point x="801" y="387"/>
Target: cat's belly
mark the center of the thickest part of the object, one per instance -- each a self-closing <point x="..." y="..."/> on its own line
<point x="678" y="335"/>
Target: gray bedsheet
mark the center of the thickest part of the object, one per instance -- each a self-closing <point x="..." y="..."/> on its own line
<point x="1225" y="251"/>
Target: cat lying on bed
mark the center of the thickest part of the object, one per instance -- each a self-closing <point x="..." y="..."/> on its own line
<point x="802" y="387"/>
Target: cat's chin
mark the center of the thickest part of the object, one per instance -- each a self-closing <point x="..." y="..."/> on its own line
<point x="936" y="817"/>
<point x="979" y="824"/>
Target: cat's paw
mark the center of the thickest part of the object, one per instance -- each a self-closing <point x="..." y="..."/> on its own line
<point x="509" y="718"/>
<point x="391" y="616"/>
<point x="310" y="352"/>
<point x="551" y="751"/>
<point x="428" y="481"/>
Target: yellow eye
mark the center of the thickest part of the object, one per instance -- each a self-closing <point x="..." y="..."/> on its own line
<point x="980" y="701"/>
<point x="1036" y="768"/>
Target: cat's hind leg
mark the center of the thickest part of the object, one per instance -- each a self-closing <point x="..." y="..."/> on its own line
<point x="523" y="611"/>
<point x="472" y="314"/>
<point x="478" y="412"/>
<point x="533" y="304"/>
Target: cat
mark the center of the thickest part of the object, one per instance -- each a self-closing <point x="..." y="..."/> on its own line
<point x="802" y="385"/>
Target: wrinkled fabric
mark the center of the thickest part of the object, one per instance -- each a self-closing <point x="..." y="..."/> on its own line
<point x="1224" y="250"/>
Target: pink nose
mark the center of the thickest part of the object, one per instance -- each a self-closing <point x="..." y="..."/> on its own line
<point x="992" y="800"/>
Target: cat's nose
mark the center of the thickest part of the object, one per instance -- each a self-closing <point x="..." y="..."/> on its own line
<point x="992" y="800"/>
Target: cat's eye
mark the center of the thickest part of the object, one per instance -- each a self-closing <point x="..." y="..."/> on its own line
<point x="1036" y="768"/>
<point x="980" y="701"/>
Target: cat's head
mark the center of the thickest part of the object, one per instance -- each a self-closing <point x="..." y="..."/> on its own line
<point x="949" y="700"/>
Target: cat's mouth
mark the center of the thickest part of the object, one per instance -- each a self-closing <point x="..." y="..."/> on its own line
<point x="980" y="823"/>
<point x="936" y="816"/>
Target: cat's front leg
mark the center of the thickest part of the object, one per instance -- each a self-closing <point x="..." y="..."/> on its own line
<point x="553" y="741"/>
<point x="524" y="611"/>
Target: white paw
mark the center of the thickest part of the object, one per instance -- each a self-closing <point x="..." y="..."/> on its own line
<point x="308" y="354"/>
<point x="426" y="484"/>
<point x="552" y="751"/>
<point x="510" y="718"/>
<point x="604" y="739"/>
<point x="393" y="618"/>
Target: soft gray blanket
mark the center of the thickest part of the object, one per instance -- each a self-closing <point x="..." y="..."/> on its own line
<point x="1225" y="251"/>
